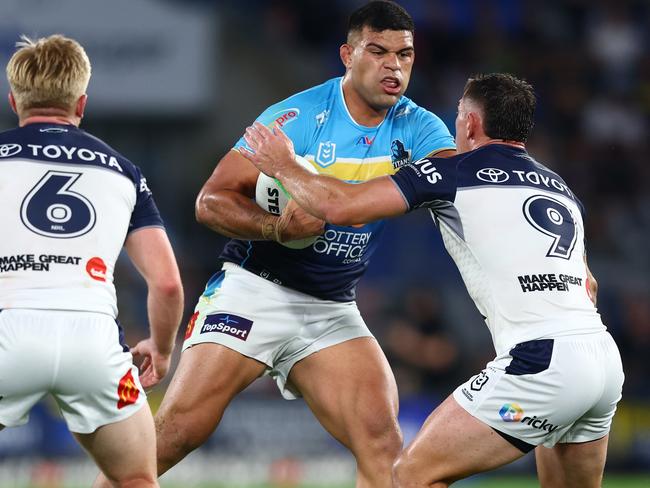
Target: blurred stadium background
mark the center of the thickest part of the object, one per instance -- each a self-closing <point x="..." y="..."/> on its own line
<point x="175" y="83"/>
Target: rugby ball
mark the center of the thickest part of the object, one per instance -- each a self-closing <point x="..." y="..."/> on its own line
<point x="272" y="197"/>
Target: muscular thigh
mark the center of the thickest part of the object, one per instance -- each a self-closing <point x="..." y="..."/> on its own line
<point x="206" y="379"/>
<point x="349" y="387"/>
<point x="453" y="444"/>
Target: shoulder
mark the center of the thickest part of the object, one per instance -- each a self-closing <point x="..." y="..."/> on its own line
<point x="411" y="112"/>
<point x="113" y="158"/>
<point x="303" y="104"/>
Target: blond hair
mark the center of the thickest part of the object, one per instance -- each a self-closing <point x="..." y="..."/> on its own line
<point x="51" y="72"/>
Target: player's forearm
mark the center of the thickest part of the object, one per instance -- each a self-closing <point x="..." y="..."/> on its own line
<point x="165" y="309"/>
<point x="234" y="215"/>
<point x="323" y="197"/>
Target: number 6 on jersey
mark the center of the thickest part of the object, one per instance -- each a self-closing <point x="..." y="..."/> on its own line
<point x="51" y="209"/>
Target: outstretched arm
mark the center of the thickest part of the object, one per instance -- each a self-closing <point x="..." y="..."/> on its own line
<point x="322" y="196"/>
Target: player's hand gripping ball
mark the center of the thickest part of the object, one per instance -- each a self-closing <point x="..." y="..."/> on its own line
<point x="272" y="197"/>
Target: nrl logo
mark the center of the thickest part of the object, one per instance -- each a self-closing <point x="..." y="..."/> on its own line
<point x="326" y="154"/>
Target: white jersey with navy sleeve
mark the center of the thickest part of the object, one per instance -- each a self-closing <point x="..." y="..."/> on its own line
<point x="68" y="202"/>
<point x="323" y="131"/>
<point x="516" y="233"/>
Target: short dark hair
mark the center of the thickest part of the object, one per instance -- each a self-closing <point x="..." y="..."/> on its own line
<point x="380" y="15"/>
<point x="508" y="105"/>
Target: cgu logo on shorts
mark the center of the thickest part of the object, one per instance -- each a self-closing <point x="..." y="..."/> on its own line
<point x="232" y="325"/>
<point x="512" y="412"/>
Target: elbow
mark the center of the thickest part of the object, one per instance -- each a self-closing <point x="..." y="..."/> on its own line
<point x="170" y="288"/>
<point x="203" y="208"/>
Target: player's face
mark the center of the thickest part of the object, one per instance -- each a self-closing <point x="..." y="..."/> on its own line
<point x="379" y="65"/>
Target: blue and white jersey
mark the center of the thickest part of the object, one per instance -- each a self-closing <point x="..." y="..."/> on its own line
<point x="68" y="202"/>
<point x="515" y="231"/>
<point x="323" y="131"/>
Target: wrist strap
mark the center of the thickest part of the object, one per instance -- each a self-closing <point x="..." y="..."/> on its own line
<point x="269" y="228"/>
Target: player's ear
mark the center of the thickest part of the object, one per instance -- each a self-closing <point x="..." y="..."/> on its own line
<point x="345" y="51"/>
<point x="474" y="125"/>
<point x="12" y="102"/>
<point x="81" y="106"/>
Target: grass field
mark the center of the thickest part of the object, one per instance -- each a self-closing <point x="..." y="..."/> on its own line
<point x="613" y="481"/>
<point x="510" y="482"/>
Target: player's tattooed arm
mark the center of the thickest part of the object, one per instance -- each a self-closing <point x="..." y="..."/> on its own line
<point x="225" y="205"/>
<point x="322" y="196"/>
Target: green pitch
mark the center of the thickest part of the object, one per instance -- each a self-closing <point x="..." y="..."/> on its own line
<point x="491" y="482"/>
<point x="613" y="481"/>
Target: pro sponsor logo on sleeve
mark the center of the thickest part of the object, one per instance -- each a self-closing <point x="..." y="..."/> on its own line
<point x="284" y="117"/>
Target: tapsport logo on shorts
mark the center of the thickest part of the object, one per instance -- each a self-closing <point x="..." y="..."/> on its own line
<point x="226" y="323"/>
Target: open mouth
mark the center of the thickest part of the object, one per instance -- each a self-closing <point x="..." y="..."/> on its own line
<point x="391" y="85"/>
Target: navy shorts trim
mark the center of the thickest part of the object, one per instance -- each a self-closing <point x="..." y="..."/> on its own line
<point x="530" y="357"/>
<point x="518" y="443"/>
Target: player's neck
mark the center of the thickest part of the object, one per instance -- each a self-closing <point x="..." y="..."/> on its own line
<point x="48" y="116"/>
<point x="505" y="142"/>
<point x="359" y="110"/>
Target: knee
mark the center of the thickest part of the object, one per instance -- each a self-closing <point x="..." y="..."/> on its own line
<point x="382" y="437"/>
<point x="406" y="474"/>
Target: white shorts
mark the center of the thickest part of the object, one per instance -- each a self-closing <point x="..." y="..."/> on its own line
<point x="273" y="324"/>
<point x="76" y="357"/>
<point x="548" y="391"/>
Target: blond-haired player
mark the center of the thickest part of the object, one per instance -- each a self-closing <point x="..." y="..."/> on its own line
<point x="70" y="202"/>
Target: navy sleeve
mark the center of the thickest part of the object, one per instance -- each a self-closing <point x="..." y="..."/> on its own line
<point x="145" y="213"/>
<point x="427" y="182"/>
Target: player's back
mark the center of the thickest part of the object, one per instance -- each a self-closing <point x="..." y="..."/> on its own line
<point x="516" y="233"/>
<point x="68" y="202"/>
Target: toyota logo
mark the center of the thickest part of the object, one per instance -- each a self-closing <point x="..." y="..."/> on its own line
<point x="492" y="175"/>
<point x="8" y="150"/>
